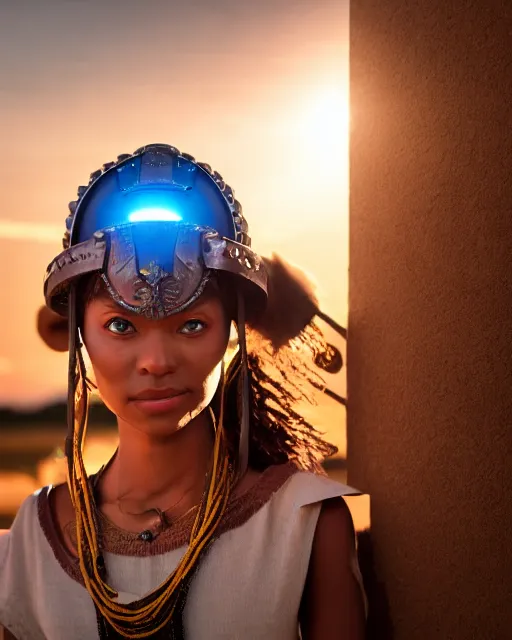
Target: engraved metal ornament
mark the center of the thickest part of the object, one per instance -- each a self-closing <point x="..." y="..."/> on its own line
<point x="73" y="262"/>
<point x="151" y="291"/>
<point x="157" y="291"/>
<point x="222" y="254"/>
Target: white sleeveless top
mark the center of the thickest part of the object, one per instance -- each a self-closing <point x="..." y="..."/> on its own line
<point x="249" y="585"/>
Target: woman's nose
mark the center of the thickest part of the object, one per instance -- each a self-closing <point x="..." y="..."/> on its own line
<point x="158" y="354"/>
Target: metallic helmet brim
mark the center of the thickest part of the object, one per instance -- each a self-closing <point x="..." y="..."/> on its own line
<point x="154" y="268"/>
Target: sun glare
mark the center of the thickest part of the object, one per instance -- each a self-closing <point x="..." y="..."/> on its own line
<point x="317" y="126"/>
<point x="327" y="114"/>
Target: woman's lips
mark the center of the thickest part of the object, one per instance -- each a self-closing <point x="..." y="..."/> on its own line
<point x="160" y="405"/>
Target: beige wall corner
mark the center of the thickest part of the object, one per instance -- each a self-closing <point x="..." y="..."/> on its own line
<point x="430" y="321"/>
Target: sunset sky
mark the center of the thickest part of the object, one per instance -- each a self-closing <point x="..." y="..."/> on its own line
<point x="257" y="90"/>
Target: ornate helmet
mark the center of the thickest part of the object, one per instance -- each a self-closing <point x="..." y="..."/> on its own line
<point x="154" y="225"/>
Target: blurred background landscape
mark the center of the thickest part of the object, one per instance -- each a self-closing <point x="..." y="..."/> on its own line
<point x="260" y="92"/>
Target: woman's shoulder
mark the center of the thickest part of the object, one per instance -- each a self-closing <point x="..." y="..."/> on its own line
<point x="27" y="566"/>
<point x="48" y="510"/>
<point x="281" y="491"/>
<point x="305" y="488"/>
<point x="19" y="549"/>
<point x="26" y="534"/>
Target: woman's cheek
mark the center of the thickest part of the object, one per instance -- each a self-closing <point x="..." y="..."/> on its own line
<point x="110" y="374"/>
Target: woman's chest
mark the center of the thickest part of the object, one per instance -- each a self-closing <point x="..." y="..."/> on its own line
<point x="248" y="585"/>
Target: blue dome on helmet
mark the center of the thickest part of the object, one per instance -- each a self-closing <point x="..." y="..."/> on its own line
<point x="157" y="185"/>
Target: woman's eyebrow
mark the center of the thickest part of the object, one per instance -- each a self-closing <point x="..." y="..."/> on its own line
<point x="203" y="306"/>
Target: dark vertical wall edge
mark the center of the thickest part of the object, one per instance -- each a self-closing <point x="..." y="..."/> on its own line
<point x="430" y="321"/>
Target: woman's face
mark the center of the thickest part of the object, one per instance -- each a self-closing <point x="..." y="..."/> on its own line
<point x="156" y="375"/>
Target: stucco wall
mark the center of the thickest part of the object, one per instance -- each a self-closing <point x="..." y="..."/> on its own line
<point x="430" y="313"/>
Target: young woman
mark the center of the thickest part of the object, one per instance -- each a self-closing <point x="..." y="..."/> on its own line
<point x="213" y="520"/>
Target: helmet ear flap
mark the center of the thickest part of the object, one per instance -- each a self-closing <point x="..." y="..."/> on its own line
<point x="53" y="329"/>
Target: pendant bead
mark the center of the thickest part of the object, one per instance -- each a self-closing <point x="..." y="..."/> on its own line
<point x="146" y="536"/>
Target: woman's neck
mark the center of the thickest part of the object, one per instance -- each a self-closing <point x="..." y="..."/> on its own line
<point x="155" y="472"/>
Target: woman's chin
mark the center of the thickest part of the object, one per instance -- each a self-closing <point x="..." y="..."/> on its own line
<point x="160" y="423"/>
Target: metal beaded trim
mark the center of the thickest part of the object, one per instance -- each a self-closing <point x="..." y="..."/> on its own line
<point x="241" y="226"/>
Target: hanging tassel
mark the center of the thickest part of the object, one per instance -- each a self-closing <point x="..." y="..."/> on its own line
<point x="291" y="308"/>
<point x="291" y="304"/>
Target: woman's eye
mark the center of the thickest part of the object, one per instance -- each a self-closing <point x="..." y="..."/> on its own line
<point x="193" y="326"/>
<point x="120" y="326"/>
